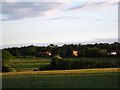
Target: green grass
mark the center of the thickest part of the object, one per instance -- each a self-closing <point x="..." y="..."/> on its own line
<point x="29" y="64"/>
<point x="35" y="63"/>
<point x="78" y="78"/>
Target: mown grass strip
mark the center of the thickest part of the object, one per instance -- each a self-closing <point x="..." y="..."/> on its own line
<point x="29" y="64"/>
<point x="31" y="60"/>
<point x="57" y="72"/>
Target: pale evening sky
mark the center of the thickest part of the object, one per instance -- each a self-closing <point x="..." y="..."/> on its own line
<point x="25" y="23"/>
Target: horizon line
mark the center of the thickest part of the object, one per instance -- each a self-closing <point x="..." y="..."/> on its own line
<point x="46" y="44"/>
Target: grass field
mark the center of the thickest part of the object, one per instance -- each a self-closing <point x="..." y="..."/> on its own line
<point x="79" y="78"/>
<point x="29" y="64"/>
<point x="36" y="63"/>
<point x="25" y="77"/>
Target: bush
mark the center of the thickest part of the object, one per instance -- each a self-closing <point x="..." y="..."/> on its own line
<point x="100" y="64"/>
<point x="46" y="67"/>
<point x="55" y="61"/>
<point x="114" y="64"/>
<point x="82" y="64"/>
<point x="6" y="56"/>
<point x="59" y="63"/>
<point x="57" y="57"/>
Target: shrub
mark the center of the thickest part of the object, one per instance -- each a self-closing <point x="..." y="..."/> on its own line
<point x="46" y="67"/>
<point x="55" y="61"/>
<point x="114" y="64"/>
<point x="82" y="64"/>
<point x="59" y="63"/>
<point x="57" y="57"/>
<point x="6" y="56"/>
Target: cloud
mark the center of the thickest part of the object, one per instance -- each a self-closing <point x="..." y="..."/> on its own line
<point x="91" y="6"/>
<point x="23" y="10"/>
<point x="74" y="17"/>
<point x="66" y="17"/>
<point x="34" y="1"/>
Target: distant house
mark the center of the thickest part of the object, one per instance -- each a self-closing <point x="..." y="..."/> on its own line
<point x="75" y="53"/>
<point x="113" y="53"/>
<point x="47" y="53"/>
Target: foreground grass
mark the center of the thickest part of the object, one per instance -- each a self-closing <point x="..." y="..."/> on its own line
<point x="79" y="78"/>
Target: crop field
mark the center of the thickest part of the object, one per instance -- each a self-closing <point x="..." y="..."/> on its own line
<point x="78" y="78"/>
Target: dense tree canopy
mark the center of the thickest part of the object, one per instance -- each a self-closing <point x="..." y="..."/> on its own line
<point x="6" y="56"/>
<point x="89" y="50"/>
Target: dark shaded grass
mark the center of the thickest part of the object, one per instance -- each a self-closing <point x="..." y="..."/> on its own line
<point x="96" y="59"/>
<point x="109" y="80"/>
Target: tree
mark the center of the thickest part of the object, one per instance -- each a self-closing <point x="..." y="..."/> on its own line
<point x="55" y="61"/>
<point x="103" y="52"/>
<point x="92" y="52"/>
<point x="29" y="51"/>
<point x="6" y="56"/>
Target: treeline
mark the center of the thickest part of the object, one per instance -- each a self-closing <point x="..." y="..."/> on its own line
<point x="59" y="63"/>
<point x="88" y="50"/>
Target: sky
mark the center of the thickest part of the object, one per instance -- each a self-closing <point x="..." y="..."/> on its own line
<point x="40" y="23"/>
